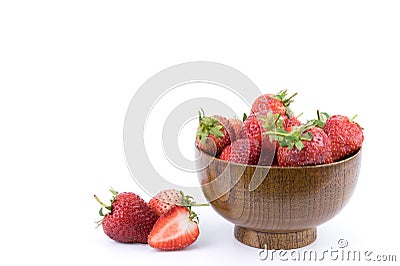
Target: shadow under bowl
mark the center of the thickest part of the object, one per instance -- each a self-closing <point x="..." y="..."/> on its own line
<point x="277" y="207"/>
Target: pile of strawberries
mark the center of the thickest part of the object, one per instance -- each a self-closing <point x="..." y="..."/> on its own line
<point x="166" y="222"/>
<point x="273" y="135"/>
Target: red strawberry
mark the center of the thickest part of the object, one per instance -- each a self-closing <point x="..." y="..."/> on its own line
<point x="307" y="145"/>
<point x="277" y="103"/>
<point x="290" y="122"/>
<point x="346" y="136"/>
<point x="245" y="151"/>
<point x="236" y="124"/>
<point x="254" y="127"/>
<point x="287" y="123"/>
<point x="165" y="200"/>
<point x="129" y="220"/>
<point x="214" y="133"/>
<point x="176" y="229"/>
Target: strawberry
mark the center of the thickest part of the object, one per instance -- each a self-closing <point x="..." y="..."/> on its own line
<point x="236" y="124"/>
<point x="345" y="134"/>
<point x="276" y="103"/>
<point x="129" y="218"/>
<point x="214" y="133"/>
<point x="176" y="229"/>
<point x="305" y="145"/>
<point x="245" y="151"/>
<point x="165" y="200"/>
<point x="289" y="122"/>
<point x="254" y="127"/>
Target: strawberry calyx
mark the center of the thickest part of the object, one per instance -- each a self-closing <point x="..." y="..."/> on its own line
<point x="322" y="117"/>
<point x="188" y="202"/>
<point x="270" y="120"/>
<point x="208" y="125"/>
<point x="293" y="138"/>
<point x="107" y="208"/>
<point x="281" y="96"/>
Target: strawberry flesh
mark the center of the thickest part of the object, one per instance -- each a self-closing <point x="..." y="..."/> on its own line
<point x="174" y="230"/>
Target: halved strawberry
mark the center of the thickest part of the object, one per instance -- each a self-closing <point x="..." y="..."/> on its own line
<point x="176" y="229"/>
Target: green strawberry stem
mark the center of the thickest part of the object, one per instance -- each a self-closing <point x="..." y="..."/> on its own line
<point x="287" y="101"/>
<point x="188" y="202"/>
<point x="101" y="203"/>
<point x="105" y="206"/>
<point x="322" y="117"/>
<point x="201" y="114"/>
<point x="353" y="118"/>
<point x="281" y="96"/>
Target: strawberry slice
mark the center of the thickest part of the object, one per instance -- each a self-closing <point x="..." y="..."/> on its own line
<point x="176" y="229"/>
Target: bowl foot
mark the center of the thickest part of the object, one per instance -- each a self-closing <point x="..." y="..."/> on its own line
<point x="275" y="240"/>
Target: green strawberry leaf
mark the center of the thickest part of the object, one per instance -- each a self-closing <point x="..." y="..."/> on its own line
<point x="217" y="131"/>
<point x="299" y="145"/>
<point x="292" y="138"/>
<point x="321" y="119"/>
<point x="306" y="136"/>
<point x="244" y="117"/>
<point x="281" y="96"/>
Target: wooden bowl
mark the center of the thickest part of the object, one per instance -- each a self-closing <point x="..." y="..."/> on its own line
<point x="277" y="207"/>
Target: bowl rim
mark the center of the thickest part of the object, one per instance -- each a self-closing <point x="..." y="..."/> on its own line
<point x="349" y="158"/>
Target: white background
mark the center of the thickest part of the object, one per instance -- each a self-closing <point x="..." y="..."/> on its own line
<point x="68" y="70"/>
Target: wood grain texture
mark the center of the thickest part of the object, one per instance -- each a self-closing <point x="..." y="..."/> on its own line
<point x="290" y="202"/>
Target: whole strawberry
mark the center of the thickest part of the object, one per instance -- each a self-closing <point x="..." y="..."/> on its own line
<point x="245" y="151"/>
<point x="165" y="200"/>
<point x="129" y="218"/>
<point x="346" y="136"/>
<point x="236" y="124"/>
<point x="254" y="127"/>
<point x="214" y="133"/>
<point x="289" y="122"/>
<point x="276" y="103"/>
<point x="305" y="145"/>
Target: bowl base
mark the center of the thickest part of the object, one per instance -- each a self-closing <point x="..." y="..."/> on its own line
<point x="275" y="240"/>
